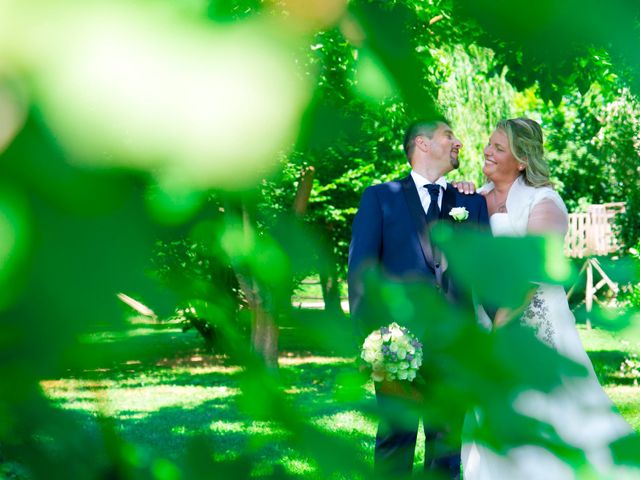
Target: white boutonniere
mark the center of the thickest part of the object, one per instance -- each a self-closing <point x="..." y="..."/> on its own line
<point x="459" y="214"/>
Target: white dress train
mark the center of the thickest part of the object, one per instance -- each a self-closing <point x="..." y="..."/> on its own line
<point x="579" y="409"/>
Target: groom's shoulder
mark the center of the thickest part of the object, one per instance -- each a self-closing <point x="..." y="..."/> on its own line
<point x="474" y="197"/>
<point x="468" y="197"/>
<point x="390" y="186"/>
<point x="475" y="200"/>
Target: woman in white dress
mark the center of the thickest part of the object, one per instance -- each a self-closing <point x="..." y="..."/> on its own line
<point x="521" y="201"/>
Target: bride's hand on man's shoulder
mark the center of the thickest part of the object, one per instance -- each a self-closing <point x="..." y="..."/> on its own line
<point x="465" y="187"/>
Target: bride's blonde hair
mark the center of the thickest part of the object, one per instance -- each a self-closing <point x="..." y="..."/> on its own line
<point x="526" y="143"/>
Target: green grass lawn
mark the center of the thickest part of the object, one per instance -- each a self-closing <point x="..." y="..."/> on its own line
<point x="607" y="351"/>
<point x="160" y="404"/>
<point x="170" y="392"/>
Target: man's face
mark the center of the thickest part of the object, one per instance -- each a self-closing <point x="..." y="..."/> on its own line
<point x="445" y="146"/>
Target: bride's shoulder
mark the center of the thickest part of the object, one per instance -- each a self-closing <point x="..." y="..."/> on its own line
<point x="548" y="193"/>
<point x="545" y="192"/>
<point x="536" y="193"/>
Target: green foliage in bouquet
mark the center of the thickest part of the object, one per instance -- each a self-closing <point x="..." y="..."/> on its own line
<point x="392" y="353"/>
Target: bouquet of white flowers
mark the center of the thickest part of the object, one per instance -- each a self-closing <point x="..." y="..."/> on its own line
<point x="393" y="353"/>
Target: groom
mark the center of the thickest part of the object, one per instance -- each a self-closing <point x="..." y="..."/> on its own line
<point x="390" y="232"/>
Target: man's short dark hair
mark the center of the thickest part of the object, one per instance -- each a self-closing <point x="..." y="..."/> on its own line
<point x="417" y="128"/>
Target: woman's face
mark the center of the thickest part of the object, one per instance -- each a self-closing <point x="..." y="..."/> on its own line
<point x="499" y="162"/>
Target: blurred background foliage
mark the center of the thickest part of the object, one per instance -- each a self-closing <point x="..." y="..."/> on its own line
<point x="205" y="156"/>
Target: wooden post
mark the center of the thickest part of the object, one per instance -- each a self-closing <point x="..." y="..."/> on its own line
<point x="588" y="300"/>
<point x="584" y="267"/>
<point x="604" y="280"/>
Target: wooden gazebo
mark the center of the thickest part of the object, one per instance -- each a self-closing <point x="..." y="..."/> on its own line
<point x="591" y="234"/>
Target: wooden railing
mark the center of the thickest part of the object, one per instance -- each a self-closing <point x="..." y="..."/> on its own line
<point x="592" y="233"/>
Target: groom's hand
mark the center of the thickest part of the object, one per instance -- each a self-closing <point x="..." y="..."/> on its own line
<point x="465" y="187"/>
<point x="400" y="389"/>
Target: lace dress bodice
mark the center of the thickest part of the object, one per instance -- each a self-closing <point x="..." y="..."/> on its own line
<point x="536" y="315"/>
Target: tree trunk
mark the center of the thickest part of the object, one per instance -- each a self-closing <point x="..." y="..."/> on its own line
<point x="304" y="191"/>
<point x="264" y="336"/>
<point x="264" y="330"/>
<point x="328" y="272"/>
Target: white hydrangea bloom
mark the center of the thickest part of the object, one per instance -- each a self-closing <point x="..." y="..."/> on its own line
<point x="393" y="354"/>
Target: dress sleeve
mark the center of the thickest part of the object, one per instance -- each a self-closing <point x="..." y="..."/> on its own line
<point x="548" y="214"/>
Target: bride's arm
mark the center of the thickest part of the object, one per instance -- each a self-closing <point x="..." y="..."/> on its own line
<point x="545" y="217"/>
<point x="505" y="315"/>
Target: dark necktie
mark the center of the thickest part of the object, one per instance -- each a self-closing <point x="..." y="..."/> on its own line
<point x="433" y="212"/>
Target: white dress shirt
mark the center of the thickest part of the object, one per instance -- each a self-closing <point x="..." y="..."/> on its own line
<point x="423" y="193"/>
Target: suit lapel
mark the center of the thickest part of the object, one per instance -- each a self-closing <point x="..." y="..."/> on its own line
<point x="418" y="216"/>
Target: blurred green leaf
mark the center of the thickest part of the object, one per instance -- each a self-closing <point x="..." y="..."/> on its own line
<point x="506" y="269"/>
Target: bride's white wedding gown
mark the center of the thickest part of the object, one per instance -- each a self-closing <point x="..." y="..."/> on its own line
<point x="579" y="409"/>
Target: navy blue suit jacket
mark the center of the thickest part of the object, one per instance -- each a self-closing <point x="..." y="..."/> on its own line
<point x="390" y="231"/>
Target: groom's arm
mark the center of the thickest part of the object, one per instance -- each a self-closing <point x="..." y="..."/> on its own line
<point x="364" y="254"/>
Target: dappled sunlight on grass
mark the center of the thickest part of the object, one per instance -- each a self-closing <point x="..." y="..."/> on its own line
<point x="114" y="336"/>
<point x="349" y="421"/>
<point x="248" y="427"/>
<point x="599" y="339"/>
<point x="607" y="350"/>
<point x="627" y="400"/>
<point x="132" y="416"/>
<point x="114" y="402"/>
<point x="291" y="462"/>
<point x="137" y="387"/>
<point x="226" y="455"/>
<point x="163" y="407"/>
<point x="297" y="465"/>
<point x="273" y="445"/>
<point x="287" y="360"/>
<point x="217" y="369"/>
<point x="298" y="390"/>
<point x="153" y="398"/>
<point x="162" y="403"/>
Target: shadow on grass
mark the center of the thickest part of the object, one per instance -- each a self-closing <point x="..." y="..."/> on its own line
<point x="162" y="391"/>
<point x="606" y="364"/>
<point x="162" y="404"/>
<point x="304" y="332"/>
<point x="166" y="432"/>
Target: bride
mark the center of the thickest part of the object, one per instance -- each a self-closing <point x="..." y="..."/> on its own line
<point x="520" y="202"/>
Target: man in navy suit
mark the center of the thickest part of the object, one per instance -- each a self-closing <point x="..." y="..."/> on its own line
<point x="390" y="233"/>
